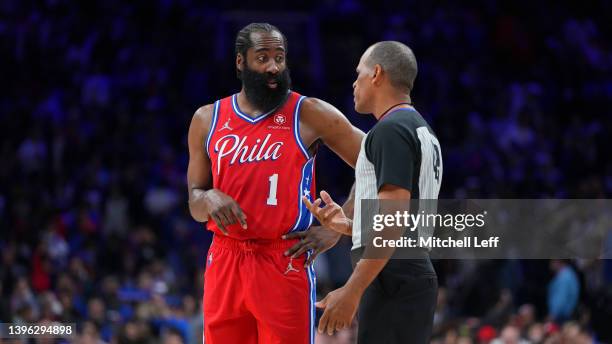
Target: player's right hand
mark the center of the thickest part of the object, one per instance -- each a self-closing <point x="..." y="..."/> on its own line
<point x="317" y="239"/>
<point x="224" y="210"/>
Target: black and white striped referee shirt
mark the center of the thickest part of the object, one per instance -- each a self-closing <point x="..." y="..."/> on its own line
<point x="401" y="149"/>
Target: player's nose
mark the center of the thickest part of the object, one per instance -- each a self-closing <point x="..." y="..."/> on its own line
<point x="272" y="68"/>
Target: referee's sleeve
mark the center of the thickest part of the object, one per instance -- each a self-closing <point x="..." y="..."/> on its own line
<point x="392" y="149"/>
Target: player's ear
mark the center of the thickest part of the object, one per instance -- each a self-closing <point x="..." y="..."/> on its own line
<point x="239" y="61"/>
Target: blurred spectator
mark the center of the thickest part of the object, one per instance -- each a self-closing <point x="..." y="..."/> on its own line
<point x="525" y="318"/>
<point x="486" y="334"/>
<point x="134" y="332"/>
<point x="563" y="291"/>
<point x="171" y="336"/>
<point x="509" y="335"/>
<point x="23" y="302"/>
<point x="90" y="334"/>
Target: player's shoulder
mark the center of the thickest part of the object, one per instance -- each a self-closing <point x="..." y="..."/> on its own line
<point x="317" y="112"/>
<point x="202" y="117"/>
<point x="204" y="112"/>
<point x="316" y="105"/>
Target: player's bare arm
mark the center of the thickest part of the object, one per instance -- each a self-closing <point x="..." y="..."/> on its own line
<point x="321" y="120"/>
<point x="341" y="304"/>
<point x="205" y="202"/>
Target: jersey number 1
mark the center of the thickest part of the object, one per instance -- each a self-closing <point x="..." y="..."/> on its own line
<point x="273" y="186"/>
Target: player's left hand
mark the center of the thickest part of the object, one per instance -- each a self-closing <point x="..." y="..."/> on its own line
<point x="340" y="307"/>
<point x="317" y="238"/>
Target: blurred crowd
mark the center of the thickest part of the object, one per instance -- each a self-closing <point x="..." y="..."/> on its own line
<point x="97" y="97"/>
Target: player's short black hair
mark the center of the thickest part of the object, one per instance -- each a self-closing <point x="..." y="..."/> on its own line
<point x="397" y="60"/>
<point x="243" y="39"/>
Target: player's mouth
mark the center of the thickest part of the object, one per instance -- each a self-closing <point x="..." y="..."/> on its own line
<point x="272" y="84"/>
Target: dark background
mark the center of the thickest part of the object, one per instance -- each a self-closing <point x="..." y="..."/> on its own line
<point x="96" y="99"/>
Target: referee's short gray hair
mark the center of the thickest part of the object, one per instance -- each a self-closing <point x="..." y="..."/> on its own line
<point x="397" y="60"/>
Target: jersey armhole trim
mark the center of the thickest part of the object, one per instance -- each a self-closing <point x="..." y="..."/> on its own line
<point x="296" y="127"/>
<point x="213" y="125"/>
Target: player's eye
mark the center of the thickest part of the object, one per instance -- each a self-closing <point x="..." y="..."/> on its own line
<point x="261" y="58"/>
<point x="280" y="58"/>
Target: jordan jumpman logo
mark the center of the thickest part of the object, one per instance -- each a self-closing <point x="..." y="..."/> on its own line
<point x="226" y="126"/>
<point x="290" y="267"/>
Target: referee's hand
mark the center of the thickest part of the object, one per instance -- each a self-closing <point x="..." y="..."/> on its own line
<point x="331" y="215"/>
<point x="340" y="307"/>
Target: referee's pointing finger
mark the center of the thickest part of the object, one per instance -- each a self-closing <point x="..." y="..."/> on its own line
<point x="306" y="201"/>
<point x="326" y="197"/>
<point x="312" y="207"/>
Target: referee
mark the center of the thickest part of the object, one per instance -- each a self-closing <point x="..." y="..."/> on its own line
<point x="400" y="159"/>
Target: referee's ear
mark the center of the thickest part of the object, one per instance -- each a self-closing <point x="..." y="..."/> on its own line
<point x="377" y="76"/>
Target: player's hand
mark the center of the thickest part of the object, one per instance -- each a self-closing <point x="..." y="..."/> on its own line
<point x="224" y="210"/>
<point x="331" y="215"/>
<point x="317" y="239"/>
<point x="340" y="307"/>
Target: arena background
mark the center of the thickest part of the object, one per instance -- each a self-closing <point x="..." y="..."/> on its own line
<point x="96" y="99"/>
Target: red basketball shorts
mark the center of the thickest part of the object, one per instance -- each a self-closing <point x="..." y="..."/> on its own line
<point x="254" y="294"/>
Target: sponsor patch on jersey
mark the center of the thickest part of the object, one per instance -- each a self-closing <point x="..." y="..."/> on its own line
<point x="280" y="119"/>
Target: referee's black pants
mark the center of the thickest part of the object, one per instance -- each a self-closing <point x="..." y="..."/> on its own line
<point x="398" y="307"/>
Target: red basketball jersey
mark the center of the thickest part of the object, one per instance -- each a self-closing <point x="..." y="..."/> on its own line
<point x="263" y="164"/>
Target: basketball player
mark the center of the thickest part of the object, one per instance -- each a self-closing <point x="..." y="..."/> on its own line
<point x="251" y="159"/>
<point x="400" y="159"/>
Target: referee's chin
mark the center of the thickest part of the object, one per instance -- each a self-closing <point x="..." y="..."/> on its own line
<point x="360" y="110"/>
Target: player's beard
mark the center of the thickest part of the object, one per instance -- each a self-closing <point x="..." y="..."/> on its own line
<point x="259" y="94"/>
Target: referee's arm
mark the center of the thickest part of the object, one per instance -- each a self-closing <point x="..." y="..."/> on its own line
<point x="367" y="269"/>
<point x="392" y="148"/>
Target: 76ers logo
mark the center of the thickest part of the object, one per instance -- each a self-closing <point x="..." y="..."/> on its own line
<point x="280" y="119"/>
